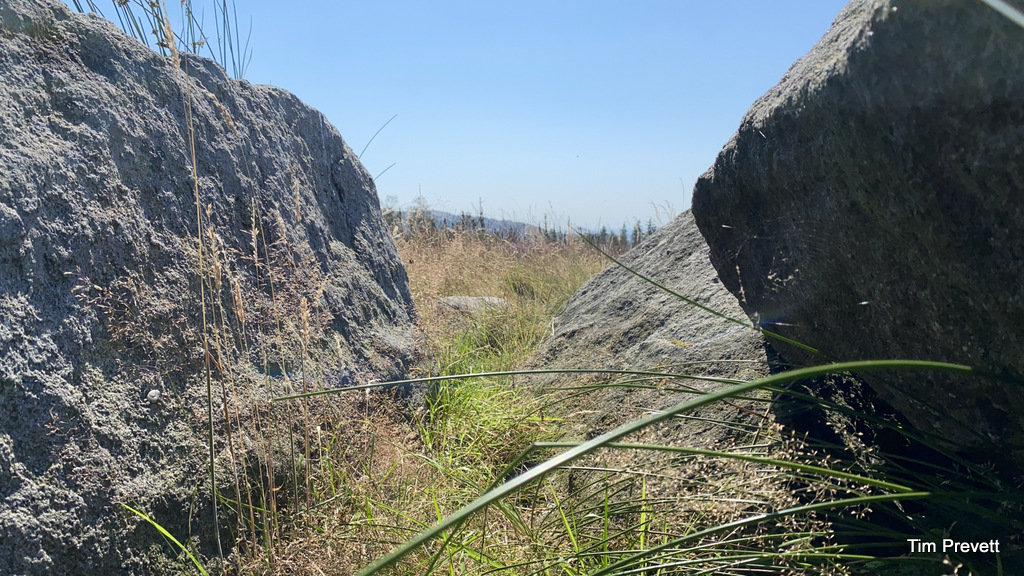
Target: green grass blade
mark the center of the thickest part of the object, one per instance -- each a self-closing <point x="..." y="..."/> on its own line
<point x="1004" y="8"/>
<point x="518" y="482"/>
<point x="433" y="379"/>
<point x="806" y="468"/>
<point x="645" y="555"/>
<point x="170" y="537"/>
<point x="375" y="135"/>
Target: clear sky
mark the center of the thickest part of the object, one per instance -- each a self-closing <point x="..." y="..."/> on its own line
<point x="589" y="110"/>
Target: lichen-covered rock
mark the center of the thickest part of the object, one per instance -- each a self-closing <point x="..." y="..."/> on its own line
<point x="113" y="160"/>
<point x="870" y="206"/>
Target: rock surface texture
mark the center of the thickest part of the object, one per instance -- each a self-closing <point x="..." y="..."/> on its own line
<point x="101" y="347"/>
<point x="471" y="305"/>
<point x="870" y="206"/>
<point x="619" y="321"/>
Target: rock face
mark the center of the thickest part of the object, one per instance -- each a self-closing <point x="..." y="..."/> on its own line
<point x="102" y="309"/>
<point x="619" y="321"/>
<point x="870" y="206"/>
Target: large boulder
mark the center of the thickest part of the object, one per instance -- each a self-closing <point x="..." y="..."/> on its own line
<point x="113" y="308"/>
<point x="620" y="321"/>
<point x="870" y="206"/>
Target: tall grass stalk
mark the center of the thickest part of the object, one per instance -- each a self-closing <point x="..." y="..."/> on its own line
<point x="148" y="21"/>
<point x="207" y="357"/>
<point x="453" y="521"/>
<point x="231" y="49"/>
<point x="795" y="466"/>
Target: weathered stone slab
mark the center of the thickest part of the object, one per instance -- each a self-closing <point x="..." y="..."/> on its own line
<point x="471" y="305"/>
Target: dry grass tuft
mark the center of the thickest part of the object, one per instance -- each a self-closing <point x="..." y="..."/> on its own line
<point x="534" y="276"/>
<point x="365" y="473"/>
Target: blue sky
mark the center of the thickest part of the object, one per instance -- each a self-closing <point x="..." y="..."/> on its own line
<point x="592" y="111"/>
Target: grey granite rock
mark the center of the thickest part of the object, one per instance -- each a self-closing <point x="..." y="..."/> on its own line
<point x="619" y="321"/>
<point x="100" y="350"/>
<point x="870" y="206"/>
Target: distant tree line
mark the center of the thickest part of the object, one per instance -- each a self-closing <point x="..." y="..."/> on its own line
<point x="421" y="220"/>
<point x="624" y="238"/>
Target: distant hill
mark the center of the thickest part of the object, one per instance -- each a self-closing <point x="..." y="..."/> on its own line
<point x="467" y="221"/>
<point x="417" y="219"/>
<point x="411" y="219"/>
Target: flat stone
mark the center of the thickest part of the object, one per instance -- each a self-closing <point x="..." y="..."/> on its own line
<point x="471" y="305"/>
